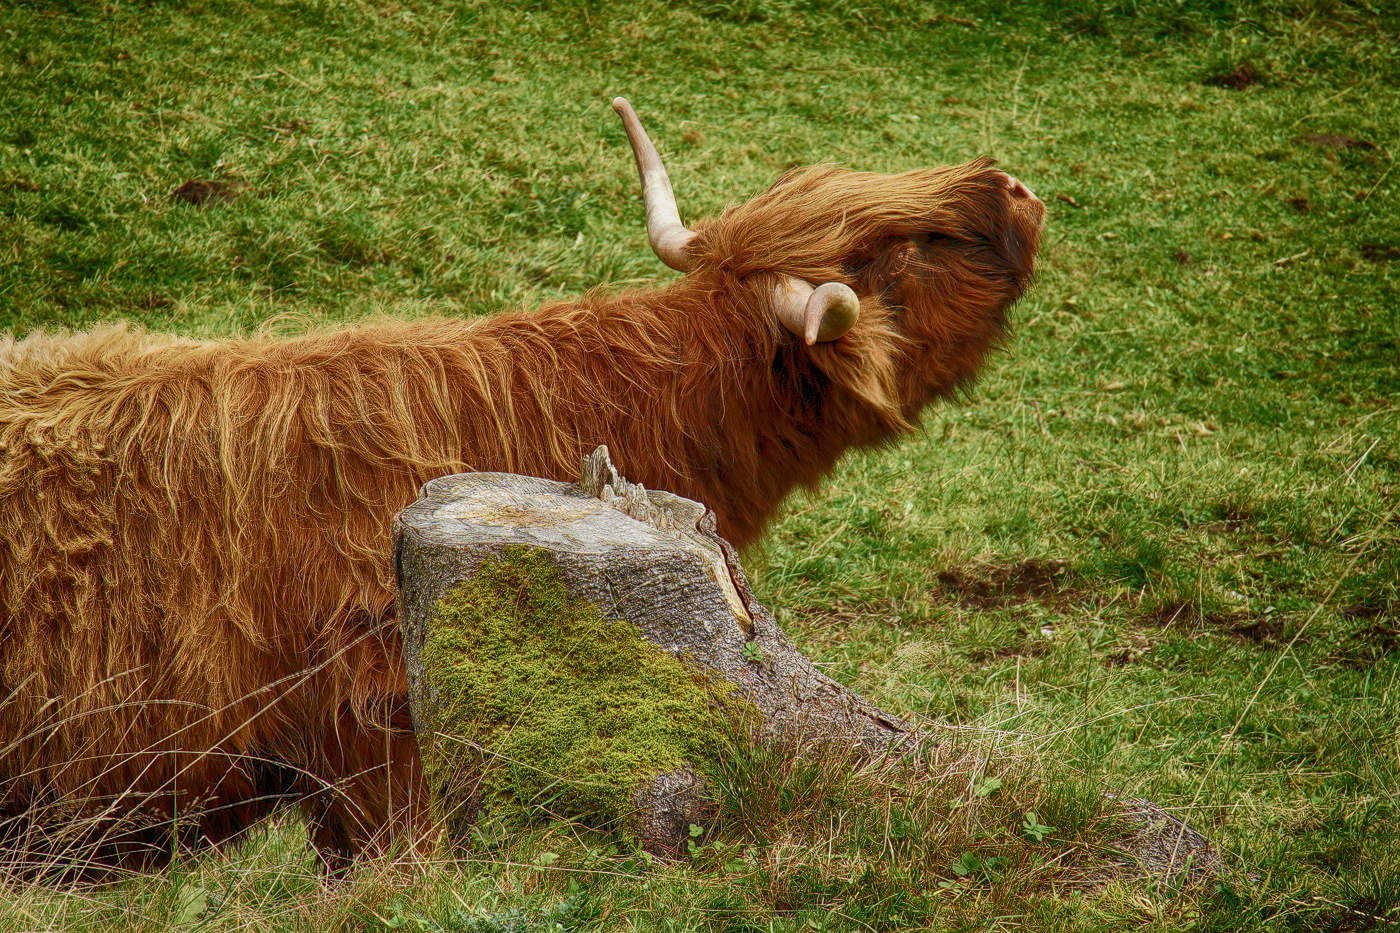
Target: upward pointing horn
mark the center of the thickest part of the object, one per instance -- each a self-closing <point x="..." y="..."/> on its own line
<point x="815" y="314"/>
<point x="667" y="234"/>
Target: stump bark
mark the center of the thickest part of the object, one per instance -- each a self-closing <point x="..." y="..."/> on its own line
<point x="577" y="647"/>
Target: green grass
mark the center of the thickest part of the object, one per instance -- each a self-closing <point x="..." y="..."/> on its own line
<point x="1157" y="545"/>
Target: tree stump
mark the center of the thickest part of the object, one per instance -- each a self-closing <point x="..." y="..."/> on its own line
<point x="577" y="649"/>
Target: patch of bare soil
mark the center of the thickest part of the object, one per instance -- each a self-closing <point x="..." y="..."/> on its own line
<point x="995" y="585"/>
<point x="1383" y="638"/>
<point x="1248" y="627"/>
<point x="1170" y="615"/>
<point x="1366" y="610"/>
<point x="1375" y="643"/>
<point x="1086" y="24"/>
<point x="201" y="192"/>
<point x="1376" y="252"/>
<point x="1136" y="648"/>
<point x="1335" y="141"/>
<point x="1258" y="630"/>
<point x="1244" y="75"/>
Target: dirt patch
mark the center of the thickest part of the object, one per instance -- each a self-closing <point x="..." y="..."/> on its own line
<point x="1367" y="610"/>
<point x="1182" y="257"/>
<point x="1134" y="650"/>
<point x="18" y="184"/>
<point x="1334" y="141"/>
<point x="1087" y="24"/>
<point x="1171" y="615"/>
<point x="996" y="585"/>
<point x="202" y="192"/>
<point x="1241" y="624"/>
<point x="1256" y="630"/>
<point x="1376" y="252"/>
<point x="1242" y="76"/>
<point x="1301" y="205"/>
<point x="1374" y="643"/>
<point x="291" y="127"/>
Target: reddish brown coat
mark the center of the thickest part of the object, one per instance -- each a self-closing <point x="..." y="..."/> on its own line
<point x="196" y="609"/>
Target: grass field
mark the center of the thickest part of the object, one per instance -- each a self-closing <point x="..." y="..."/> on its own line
<point x="1158" y="545"/>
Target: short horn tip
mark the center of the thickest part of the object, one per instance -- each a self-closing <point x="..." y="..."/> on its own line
<point x="832" y="310"/>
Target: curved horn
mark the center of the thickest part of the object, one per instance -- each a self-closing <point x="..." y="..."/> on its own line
<point x="815" y="314"/>
<point x="667" y="234"/>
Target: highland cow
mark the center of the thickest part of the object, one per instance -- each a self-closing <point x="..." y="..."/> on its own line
<point x="196" y="604"/>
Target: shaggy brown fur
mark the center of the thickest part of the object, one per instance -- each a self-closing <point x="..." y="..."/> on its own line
<point x="196" y="607"/>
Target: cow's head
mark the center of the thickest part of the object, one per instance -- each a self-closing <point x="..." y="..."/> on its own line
<point x="917" y="269"/>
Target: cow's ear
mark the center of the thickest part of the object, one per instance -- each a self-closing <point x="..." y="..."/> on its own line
<point x="864" y="362"/>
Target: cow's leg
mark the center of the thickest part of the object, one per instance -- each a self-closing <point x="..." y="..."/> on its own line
<point x="376" y="799"/>
<point x="243" y="790"/>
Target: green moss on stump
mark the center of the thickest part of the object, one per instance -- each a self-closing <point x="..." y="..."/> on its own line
<point x="541" y="702"/>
